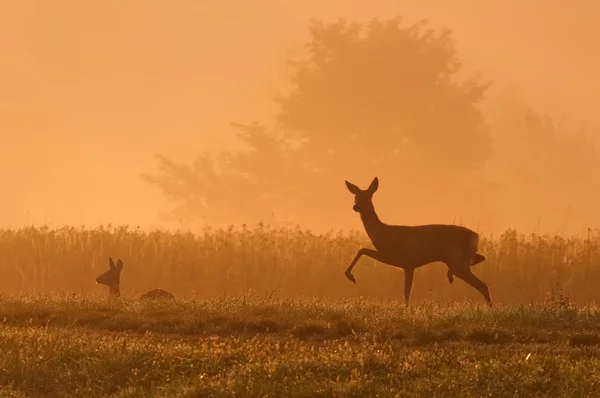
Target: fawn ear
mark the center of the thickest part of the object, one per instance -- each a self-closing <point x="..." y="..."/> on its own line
<point x="352" y="188"/>
<point x="111" y="263"/>
<point x="119" y="264"/>
<point x="374" y="185"/>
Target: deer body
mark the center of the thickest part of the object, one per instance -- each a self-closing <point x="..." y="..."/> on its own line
<point x="157" y="294"/>
<point x="410" y="247"/>
<point x="415" y="246"/>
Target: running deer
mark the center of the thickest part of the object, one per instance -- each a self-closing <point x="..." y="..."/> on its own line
<point x="410" y="247"/>
<point x="112" y="278"/>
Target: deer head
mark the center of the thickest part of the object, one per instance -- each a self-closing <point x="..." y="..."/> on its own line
<point x="112" y="277"/>
<point x="363" y="199"/>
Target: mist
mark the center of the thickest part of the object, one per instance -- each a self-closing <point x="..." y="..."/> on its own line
<point x="90" y="92"/>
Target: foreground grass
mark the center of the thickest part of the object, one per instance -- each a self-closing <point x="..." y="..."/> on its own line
<point x="256" y="346"/>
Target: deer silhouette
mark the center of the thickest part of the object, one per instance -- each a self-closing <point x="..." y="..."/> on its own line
<point x="410" y="247"/>
<point x="112" y="279"/>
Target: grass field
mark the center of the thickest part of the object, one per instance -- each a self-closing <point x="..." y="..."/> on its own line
<point x="258" y="346"/>
<point x="263" y="312"/>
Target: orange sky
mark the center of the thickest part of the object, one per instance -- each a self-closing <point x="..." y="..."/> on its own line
<point x="89" y="91"/>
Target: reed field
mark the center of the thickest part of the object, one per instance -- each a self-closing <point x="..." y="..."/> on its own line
<point x="287" y="263"/>
<point x="268" y="312"/>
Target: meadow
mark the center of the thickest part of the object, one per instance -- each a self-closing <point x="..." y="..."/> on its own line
<point x="268" y="312"/>
<point x="250" y="345"/>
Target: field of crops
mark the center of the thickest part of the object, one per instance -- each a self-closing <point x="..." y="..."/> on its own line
<point x="263" y="312"/>
<point x="286" y="263"/>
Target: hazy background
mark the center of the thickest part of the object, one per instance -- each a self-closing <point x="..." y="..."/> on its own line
<point x="91" y="91"/>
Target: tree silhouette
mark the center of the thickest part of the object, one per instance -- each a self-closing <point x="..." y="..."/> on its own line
<point x="369" y="99"/>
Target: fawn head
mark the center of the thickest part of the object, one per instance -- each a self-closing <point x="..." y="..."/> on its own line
<point x="363" y="199"/>
<point x="112" y="277"/>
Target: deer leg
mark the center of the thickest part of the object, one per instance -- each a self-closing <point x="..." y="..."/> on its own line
<point x="467" y="276"/>
<point x="374" y="254"/>
<point x="408" y="280"/>
<point x="450" y="276"/>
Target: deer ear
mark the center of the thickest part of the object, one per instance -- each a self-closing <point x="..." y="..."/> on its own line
<point x="111" y="263"/>
<point x="119" y="264"/>
<point x="374" y="185"/>
<point x="352" y="188"/>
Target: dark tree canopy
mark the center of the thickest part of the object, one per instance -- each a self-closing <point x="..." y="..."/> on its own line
<point x="369" y="99"/>
<point x="386" y="88"/>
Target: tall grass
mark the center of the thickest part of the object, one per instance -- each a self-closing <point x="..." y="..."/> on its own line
<point x="285" y="262"/>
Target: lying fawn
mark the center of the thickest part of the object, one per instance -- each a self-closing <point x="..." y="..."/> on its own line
<point x="410" y="247"/>
<point x="112" y="278"/>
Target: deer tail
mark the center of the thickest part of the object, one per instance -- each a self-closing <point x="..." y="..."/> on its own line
<point x="474" y="246"/>
<point x="477" y="258"/>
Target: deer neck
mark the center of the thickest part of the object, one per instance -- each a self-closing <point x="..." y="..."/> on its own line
<point x="371" y="221"/>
